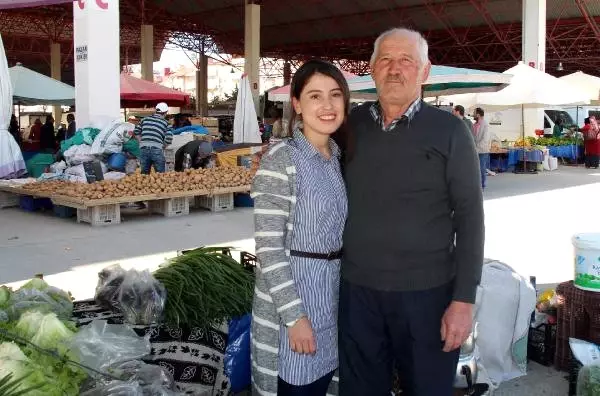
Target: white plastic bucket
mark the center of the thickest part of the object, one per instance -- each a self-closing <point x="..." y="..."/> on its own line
<point x="587" y="261"/>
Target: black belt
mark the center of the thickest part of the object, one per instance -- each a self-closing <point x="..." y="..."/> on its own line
<point x="319" y="256"/>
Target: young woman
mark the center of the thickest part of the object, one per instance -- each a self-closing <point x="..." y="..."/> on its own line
<point x="300" y="210"/>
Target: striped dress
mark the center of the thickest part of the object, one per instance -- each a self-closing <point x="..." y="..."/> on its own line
<point x="300" y="204"/>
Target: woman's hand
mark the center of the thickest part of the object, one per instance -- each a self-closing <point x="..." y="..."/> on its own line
<point x="301" y="336"/>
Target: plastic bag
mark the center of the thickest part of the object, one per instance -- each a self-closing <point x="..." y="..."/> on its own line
<point x="76" y="155"/>
<point x="109" y="285"/>
<point x="138" y="378"/>
<point x="3" y="316"/>
<point x="237" y="354"/>
<point x="141" y="298"/>
<point x="100" y="345"/>
<point x="112" y="138"/>
<point x="114" y="175"/>
<point x="588" y="354"/>
<point x="58" y="167"/>
<point x="49" y="300"/>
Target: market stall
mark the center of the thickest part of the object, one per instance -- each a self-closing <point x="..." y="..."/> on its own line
<point x="138" y="93"/>
<point x="183" y="329"/>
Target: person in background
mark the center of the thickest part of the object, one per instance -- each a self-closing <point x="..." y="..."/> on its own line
<point x="154" y="133"/>
<point x="277" y="131"/>
<point x="193" y="155"/>
<point x="185" y="121"/>
<point x="591" y="144"/>
<point x="459" y="111"/>
<point x="413" y="243"/>
<point x="299" y="214"/>
<point x="557" y="131"/>
<point x="71" y="126"/>
<point x="35" y="133"/>
<point x="483" y="143"/>
<point x="48" y="136"/>
<point x="14" y="129"/>
<point x="61" y="134"/>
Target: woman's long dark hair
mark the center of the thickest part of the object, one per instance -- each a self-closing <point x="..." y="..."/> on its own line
<point x="299" y="81"/>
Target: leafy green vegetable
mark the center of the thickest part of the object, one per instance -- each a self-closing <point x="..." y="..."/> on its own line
<point x="35" y="283"/>
<point x="10" y="386"/>
<point x="588" y="382"/>
<point x="4" y="295"/>
<point x="205" y="287"/>
<point x="52" y="334"/>
<point x="29" y="324"/>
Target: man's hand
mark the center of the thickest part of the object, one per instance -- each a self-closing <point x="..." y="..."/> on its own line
<point x="457" y="324"/>
<point x="302" y="339"/>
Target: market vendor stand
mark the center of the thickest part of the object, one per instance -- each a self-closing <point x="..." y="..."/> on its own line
<point x="107" y="211"/>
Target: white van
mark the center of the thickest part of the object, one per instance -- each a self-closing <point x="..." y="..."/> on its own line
<point x="506" y="124"/>
<point x="580" y="113"/>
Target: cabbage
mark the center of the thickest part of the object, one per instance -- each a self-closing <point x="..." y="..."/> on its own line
<point x="29" y="324"/>
<point x="35" y="283"/>
<point x="52" y="334"/>
<point x="4" y="295"/>
<point x="10" y="350"/>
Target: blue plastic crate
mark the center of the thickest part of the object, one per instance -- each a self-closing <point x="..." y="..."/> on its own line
<point x="243" y="201"/>
<point x="32" y="204"/>
<point x="64" y="212"/>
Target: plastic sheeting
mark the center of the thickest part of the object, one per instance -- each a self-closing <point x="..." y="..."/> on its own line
<point x="12" y="164"/>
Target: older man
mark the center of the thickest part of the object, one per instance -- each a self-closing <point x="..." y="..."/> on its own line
<point x="413" y="244"/>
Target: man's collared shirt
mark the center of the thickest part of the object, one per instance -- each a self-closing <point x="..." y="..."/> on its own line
<point x="408" y="115"/>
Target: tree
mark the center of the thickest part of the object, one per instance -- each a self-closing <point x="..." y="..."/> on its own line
<point x="233" y="95"/>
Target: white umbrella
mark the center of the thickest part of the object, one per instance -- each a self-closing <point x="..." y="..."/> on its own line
<point x="32" y="88"/>
<point x="12" y="164"/>
<point x="585" y="82"/>
<point x="245" y="123"/>
<point x="530" y="87"/>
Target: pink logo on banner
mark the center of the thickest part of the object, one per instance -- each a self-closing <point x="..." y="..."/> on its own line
<point x="102" y="4"/>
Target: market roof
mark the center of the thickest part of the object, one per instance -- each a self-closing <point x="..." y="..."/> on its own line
<point x="480" y="34"/>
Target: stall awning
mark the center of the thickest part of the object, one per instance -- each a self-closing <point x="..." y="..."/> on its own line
<point x="137" y="93"/>
<point x="31" y="88"/>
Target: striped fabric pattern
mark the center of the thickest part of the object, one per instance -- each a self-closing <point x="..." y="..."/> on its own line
<point x="277" y="295"/>
<point x="377" y="114"/>
<point x="319" y="220"/>
<point x="155" y="131"/>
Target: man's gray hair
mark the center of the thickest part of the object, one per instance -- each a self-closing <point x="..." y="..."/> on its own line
<point x="422" y="46"/>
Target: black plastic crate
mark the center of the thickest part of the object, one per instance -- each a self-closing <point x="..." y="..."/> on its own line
<point x="31" y="204"/>
<point x="248" y="261"/>
<point x="574" y="368"/>
<point x="541" y="344"/>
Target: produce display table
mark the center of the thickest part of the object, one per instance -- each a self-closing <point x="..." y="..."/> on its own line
<point x="193" y="356"/>
<point x="571" y="151"/>
<point x="517" y="155"/>
<point x="107" y="211"/>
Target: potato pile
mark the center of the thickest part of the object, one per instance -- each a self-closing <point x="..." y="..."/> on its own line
<point x="156" y="183"/>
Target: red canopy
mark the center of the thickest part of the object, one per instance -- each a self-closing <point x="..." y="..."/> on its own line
<point x="137" y="93"/>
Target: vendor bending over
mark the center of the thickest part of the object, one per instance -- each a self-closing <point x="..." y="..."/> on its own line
<point x="195" y="154"/>
<point x="155" y="134"/>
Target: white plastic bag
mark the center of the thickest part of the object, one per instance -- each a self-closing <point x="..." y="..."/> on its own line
<point x="100" y="345"/>
<point x="76" y="155"/>
<point x="58" y="167"/>
<point x="112" y="138"/>
<point x="114" y="175"/>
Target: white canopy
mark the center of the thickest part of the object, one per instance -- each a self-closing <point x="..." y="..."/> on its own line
<point x="12" y="164"/>
<point x="584" y="82"/>
<point x="530" y="88"/>
<point x="32" y="88"/>
<point x="245" y="123"/>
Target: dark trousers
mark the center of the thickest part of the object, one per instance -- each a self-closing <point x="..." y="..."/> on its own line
<point x="484" y="163"/>
<point x="317" y="388"/>
<point x="591" y="161"/>
<point x="379" y="329"/>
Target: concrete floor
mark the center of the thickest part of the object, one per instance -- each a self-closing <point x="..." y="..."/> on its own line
<point x="529" y="223"/>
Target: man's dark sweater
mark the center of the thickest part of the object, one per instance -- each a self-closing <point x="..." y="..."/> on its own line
<point x="411" y="191"/>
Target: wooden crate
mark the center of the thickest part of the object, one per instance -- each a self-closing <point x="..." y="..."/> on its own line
<point x="100" y="215"/>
